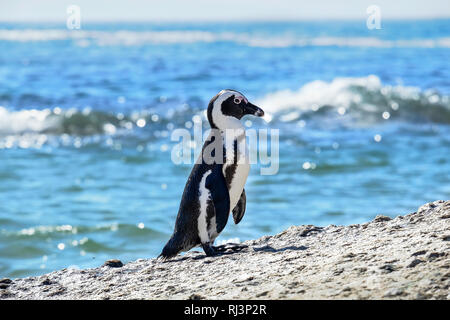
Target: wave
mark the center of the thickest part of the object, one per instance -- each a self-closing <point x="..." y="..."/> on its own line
<point x="43" y="231"/>
<point x="364" y="100"/>
<point x="349" y="101"/>
<point x="57" y="121"/>
<point x="34" y="128"/>
<point x="85" y="38"/>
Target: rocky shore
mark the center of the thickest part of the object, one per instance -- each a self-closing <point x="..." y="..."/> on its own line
<point x="407" y="257"/>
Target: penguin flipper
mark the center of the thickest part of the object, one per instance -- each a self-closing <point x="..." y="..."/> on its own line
<point x="217" y="186"/>
<point x="239" y="209"/>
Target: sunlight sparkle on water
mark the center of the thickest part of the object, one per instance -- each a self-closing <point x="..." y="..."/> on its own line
<point x="109" y="128"/>
<point x="308" y="165"/>
<point x="141" y="123"/>
<point x="377" y="138"/>
<point x="164" y="148"/>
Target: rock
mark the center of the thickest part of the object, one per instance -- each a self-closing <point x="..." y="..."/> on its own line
<point x="310" y="229"/>
<point x="435" y="255"/>
<point x="113" y="263"/>
<point x="262" y="294"/>
<point x="400" y="258"/>
<point x="393" y="292"/>
<point x="419" y="253"/>
<point x="381" y="218"/>
<point x="5" y="281"/>
<point x="388" y="268"/>
<point x="195" y="297"/>
<point x="46" y="282"/>
<point x="414" y="263"/>
<point x="5" y="294"/>
<point x="337" y="272"/>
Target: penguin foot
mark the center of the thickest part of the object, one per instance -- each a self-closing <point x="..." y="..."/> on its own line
<point x="208" y="249"/>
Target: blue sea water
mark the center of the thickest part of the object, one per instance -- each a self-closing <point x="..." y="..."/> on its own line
<point x="86" y="119"/>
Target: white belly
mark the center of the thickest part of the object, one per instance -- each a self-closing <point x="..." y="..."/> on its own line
<point x="238" y="183"/>
<point x="242" y="169"/>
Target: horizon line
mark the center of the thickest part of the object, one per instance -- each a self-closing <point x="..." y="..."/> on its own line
<point x="239" y="20"/>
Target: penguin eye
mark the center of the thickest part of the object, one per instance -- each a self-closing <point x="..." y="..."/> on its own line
<point x="238" y="100"/>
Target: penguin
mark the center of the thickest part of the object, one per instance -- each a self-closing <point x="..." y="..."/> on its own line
<point x="216" y="183"/>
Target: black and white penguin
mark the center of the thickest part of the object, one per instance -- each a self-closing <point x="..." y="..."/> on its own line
<point x="216" y="183"/>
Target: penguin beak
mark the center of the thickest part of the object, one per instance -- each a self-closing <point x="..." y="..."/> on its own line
<point x="253" y="110"/>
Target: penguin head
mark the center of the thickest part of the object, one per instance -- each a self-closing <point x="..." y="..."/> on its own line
<point x="228" y="107"/>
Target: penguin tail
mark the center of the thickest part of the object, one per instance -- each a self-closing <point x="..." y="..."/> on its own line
<point x="170" y="250"/>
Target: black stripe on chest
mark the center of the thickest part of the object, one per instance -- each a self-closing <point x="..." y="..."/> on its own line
<point x="230" y="168"/>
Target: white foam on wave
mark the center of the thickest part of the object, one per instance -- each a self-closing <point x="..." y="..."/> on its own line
<point x="121" y="37"/>
<point x="343" y="94"/>
<point x="318" y="93"/>
<point x="85" y="38"/>
<point x="362" y="97"/>
<point x="24" y="128"/>
<point x="32" y="128"/>
<point x="19" y="122"/>
<point x="23" y="121"/>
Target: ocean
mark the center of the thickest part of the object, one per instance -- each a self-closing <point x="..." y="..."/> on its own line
<point x="87" y="116"/>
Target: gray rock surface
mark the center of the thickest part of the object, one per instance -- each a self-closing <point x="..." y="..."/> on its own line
<point x="403" y="258"/>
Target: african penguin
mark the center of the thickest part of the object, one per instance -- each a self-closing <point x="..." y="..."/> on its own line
<point x="216" y="183"/>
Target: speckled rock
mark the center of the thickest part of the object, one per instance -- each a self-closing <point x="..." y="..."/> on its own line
<point x="402" y="258"/>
